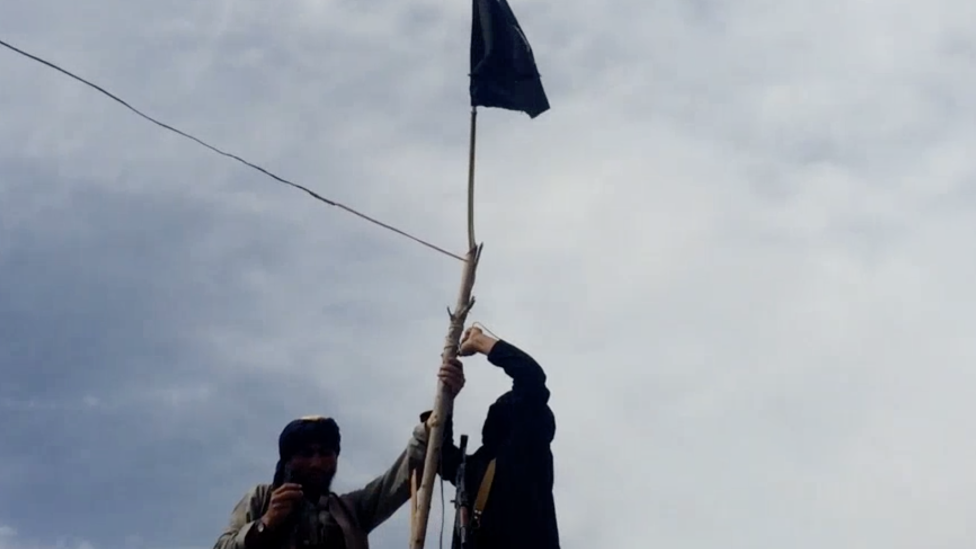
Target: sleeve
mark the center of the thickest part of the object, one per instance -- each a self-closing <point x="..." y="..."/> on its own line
<point x="239" y="533"/>
<point x="385" y="494"/>
<point x="534" y="421"/>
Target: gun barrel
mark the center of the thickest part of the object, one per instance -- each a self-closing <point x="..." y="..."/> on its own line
<point x="461" y="501"/>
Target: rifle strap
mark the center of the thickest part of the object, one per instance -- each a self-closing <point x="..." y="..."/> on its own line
<point x="484" y="489"/>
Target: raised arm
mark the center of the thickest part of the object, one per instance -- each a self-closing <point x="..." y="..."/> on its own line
<point x="385" y="494"/>
<point x="527" y="405"/>
<point x="528" y="380"/>
<point x="533" y="421"/>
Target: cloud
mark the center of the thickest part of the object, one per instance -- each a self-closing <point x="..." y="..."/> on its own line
<point x="737" y="243"/>
<point x="9" y="539"/>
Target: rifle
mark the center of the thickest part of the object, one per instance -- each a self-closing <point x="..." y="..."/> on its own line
<point x="462" y="502"/>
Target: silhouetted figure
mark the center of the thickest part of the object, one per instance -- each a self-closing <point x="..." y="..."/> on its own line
<point x="519" y="512"/>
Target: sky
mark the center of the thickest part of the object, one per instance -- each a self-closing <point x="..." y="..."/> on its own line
<point x="736" y="243"/>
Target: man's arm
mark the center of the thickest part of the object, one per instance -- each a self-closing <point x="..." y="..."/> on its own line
<point x="534" y="422"/>
<point x="528" y="378"/>
<point x="240" y="532"/>
<point x="384" y="495"/>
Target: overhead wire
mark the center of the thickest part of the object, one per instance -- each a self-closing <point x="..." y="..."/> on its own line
<point x="270" y="174"/>
<point x="274" y="176"/>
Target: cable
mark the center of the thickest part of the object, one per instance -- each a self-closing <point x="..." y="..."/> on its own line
<point x="226" y="154"/>
<point x="485" y="328"/>
<point x="443" y="513"/>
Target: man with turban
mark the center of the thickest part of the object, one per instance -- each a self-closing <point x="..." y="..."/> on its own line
<point x="298" y="509"/>
<point x="509" y="479"/>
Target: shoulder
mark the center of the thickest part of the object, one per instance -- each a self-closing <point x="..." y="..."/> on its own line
<point x="254" y="502"/>
<point x="346" y="504"/>
<point x="346" y="501"/>
<point x="259" y="489"/>
<point x="257" y="494"/>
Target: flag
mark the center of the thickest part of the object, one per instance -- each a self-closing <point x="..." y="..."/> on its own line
<point x="503" y="71"/>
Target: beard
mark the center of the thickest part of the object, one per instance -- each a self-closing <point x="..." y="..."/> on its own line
<point x="316" y="484"/>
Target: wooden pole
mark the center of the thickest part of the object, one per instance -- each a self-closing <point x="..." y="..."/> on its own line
<point x="474" y="127"/>
<point x="443" y="403"/>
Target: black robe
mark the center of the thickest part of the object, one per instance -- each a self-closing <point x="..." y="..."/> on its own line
<point x="520" y="426"/>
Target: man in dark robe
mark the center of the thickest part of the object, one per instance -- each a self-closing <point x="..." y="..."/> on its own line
<point x="513" y="468"/>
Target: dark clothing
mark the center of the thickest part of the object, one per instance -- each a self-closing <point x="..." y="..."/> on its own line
<point x="308" y="430"/>
<point x="294" y="437"/>
<point x="517" y="433"/>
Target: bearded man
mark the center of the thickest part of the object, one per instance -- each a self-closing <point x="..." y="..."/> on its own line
<point x="298" y="509"/>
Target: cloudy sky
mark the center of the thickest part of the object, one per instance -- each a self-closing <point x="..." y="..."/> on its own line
<point x="739" y="243"/>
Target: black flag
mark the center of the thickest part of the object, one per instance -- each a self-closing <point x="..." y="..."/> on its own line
<point x="503" y="71"/>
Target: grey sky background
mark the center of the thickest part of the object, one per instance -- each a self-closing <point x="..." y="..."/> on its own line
<point x="739" y="243"/>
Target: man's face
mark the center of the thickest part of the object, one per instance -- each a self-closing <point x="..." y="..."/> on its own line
<point x="315" y="464"/>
